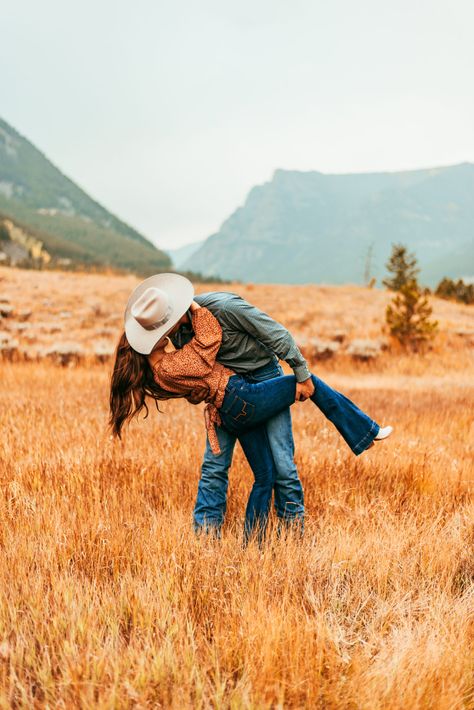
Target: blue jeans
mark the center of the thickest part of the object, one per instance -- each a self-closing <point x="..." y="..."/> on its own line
<point x="247" y="405"/>
<point x="211" y="499"/>
<point x="246" y="408"/>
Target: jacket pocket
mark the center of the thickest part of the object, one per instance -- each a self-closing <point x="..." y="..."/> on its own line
<point x="238" y="410"/>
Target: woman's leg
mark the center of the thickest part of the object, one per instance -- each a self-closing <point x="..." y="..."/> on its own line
<point x="256" y="447"/>
<point x="246" y="405"/>
<point x="356" y="427"/>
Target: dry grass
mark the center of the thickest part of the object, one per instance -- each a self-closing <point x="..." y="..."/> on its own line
<point x="108" y="599"/>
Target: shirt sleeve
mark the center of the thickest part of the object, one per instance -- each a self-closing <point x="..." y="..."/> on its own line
<point x="197" y="358"/>
<point x="243" y="316"/>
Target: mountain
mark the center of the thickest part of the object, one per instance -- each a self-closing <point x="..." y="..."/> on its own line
<point x="42" y="203"/>
<point x="179" y="255"/>
<point x="312" y="227"/>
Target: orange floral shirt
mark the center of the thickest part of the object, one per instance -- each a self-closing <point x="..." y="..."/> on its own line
<point x="194" y="367"/>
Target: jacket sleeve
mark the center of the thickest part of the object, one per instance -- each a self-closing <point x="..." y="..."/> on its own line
<point x="243" y="316"/>
<point x="196" y="359"/>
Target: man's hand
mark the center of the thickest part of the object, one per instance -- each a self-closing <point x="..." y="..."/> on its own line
<point x="304" y="390"/>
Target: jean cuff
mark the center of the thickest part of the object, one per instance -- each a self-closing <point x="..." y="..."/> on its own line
<point x="210" y="526"/>
<point x="367" y="439"/>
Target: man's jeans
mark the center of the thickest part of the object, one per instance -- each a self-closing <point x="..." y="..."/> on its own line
<point x="211" y="500"/>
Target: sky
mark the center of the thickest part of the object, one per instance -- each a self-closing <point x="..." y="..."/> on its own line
<point x="168" y="113"/>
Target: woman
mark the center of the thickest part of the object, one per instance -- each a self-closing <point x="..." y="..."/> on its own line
<point x="143" y="368"/>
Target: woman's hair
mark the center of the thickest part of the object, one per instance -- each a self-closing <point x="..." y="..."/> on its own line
<point x="131" y="382"/>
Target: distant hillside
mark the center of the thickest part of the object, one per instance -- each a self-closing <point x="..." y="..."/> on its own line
<point x="310" y="227"/>
<point x="71" y="225"/>
<point x="181" y="254"/>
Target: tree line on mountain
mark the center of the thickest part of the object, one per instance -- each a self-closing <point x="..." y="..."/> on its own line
<point x="73" y="262"/>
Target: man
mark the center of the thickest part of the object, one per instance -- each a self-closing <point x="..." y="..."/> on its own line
<point x="252" y="344"/>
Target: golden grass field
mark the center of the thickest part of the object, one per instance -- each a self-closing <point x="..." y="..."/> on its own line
<point x="108" y="600"/>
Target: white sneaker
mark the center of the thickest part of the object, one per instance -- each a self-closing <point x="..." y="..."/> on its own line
<point x="384" y="433"/>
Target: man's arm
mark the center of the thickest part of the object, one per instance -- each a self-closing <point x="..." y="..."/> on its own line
<point x="243" y="316"/>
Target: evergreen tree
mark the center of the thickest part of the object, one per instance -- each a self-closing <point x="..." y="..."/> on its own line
<point x="408" y="317"/>
<point x="403" y="266"/>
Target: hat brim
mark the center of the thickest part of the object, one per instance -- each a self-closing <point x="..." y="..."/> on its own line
<point x="180" y="292"/>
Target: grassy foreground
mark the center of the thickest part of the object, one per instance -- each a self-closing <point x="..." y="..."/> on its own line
<point x="108" y="600"/>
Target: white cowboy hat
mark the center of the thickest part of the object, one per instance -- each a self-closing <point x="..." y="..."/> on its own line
<point x="154" y="307"/>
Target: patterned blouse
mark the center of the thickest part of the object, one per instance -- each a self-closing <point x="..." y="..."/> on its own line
<point x="194" y="367"/>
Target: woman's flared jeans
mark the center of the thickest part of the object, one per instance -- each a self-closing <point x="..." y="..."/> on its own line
<point x="247" y="406"/>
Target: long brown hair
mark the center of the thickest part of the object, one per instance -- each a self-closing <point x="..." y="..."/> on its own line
<point x="131" y="382"/>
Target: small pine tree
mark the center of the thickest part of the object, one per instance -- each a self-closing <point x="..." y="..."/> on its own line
<point x="403" y="266"/>
<point x="408" y="317"/>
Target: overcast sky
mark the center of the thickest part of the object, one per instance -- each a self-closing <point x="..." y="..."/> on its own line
<point x="169" y="112"/>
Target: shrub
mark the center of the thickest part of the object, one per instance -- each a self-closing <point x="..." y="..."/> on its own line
<point x="455" y="290"/>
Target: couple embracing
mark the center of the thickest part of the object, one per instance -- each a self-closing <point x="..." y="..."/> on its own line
<point x="226" y="353"/>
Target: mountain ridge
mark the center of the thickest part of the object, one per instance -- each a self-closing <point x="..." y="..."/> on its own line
<point x="37" y="194"/>
<point x="308" y="226"/>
